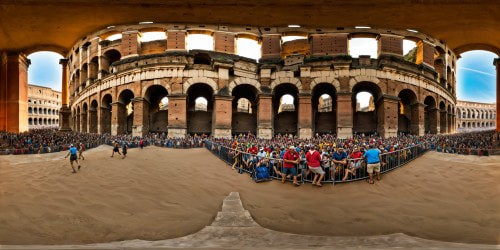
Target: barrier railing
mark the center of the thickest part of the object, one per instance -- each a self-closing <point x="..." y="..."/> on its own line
<point x="352" y="170"/>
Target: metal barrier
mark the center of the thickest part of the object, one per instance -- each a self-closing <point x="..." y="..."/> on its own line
<point x="352" y="170"/>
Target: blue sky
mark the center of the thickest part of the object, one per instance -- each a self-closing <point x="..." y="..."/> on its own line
<point x="476" y="75"/>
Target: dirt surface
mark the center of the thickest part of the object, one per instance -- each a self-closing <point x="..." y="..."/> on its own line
<point x="159" y="193"/>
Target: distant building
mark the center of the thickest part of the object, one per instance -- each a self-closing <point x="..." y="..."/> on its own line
<point x="43" y="107"/>
<point x="325" y="104"/>
<point x="475" y="116"/>
<point x="244" y="106"/>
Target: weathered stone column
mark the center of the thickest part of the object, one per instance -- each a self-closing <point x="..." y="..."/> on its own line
<point x="177" y="116"/>
<point x="176" y="40"/>
<point x="387" y="115"/>
<point x="344" y="115"/>
<point x="329" y="44"/>
<point x="130" y="44"/>
<point x="496" y="62"/>
<point x="140" y="125"/>
<point x="265" y="117"/>
<point x="222" y="116"/>
<point x="224" y="42"/>
<point x="65" y="111"/>
<point x="417" y="126"/>
<point x="14" y="92"/>
<point x="105" y="121"/>
<point x="271" y="46"/>
<point x="443" y="121"/>
<point x="117" y="115"/>
<point x="305" y="122"/>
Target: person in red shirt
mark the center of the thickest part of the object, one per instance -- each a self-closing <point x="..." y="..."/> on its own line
<point x="313" y="158"/>
<point x="290" y="160"/>
<point x="354" y="162"/>
<point x="252" y="151"/>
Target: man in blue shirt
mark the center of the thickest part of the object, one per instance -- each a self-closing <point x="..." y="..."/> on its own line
<point x="373" y="158"/>
<point x="339" y="157"/>
<point x="73" y="152"/>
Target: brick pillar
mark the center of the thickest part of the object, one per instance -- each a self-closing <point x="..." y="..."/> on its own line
<point x="443" y="121"/>
<point x="305" y="121"/>
<point x="425" y="53"/>
<point x="265" y="117"/>
<point x="417" y="126"/>
<point x="177" y="116"/>
<point x="271" y="46"/>
<point x="434" y="120"/>
<point x="222" y="116"/>
<point x="387" y="115"/>
<point x="105" y="121"/>
<point x="140" y="125"/>
<point x="92" y="121"/>
<point x="176" y="40"/>
<point x="130" y="45"/>
<point x="224" y="42"/>
<point x="344" y="115"/>
<point x="496" y="62"/>
<point x="118" y="118"/>
<point x="329" y="44"/>
<point x="390" y="45"/>
<point x="13" y="92"/>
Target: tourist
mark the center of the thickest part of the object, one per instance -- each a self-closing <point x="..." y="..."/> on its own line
<point x="339" y="158"/>
<point x="313" y="158"/>
<point x="373" y="159"/>
<point x="73" y="157"/>
<point x="290" y="160"/>
<point x="124" y="150"/>
<point x="80" y="151"/>
<point x="116" y="149"/>
<point x="355" y="162"/>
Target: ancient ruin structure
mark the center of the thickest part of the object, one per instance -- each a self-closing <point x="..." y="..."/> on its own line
<point x="475" y="116"/>
<point x="43" y="107"/>
<point x="114" y="79"/>
<point x="107" y="75"/>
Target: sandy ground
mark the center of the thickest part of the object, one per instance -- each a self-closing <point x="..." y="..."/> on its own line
<point x="159" y="193"/>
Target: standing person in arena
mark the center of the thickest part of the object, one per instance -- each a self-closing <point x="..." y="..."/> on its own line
<point x="73" y="157"/>
<point x="313" y="158"/>
<point x="373" y="159"/>
<point x="116" y="149"/>
<point x="141" y="143"/>
<point x="124" y="150"/>
<point x="290" y="159"/>
<point x="80" y="151"/>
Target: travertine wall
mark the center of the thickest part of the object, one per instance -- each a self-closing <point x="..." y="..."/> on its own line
<point x="43" y="107"/>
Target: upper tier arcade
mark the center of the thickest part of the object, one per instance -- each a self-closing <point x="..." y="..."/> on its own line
<point x="116" y="80"/>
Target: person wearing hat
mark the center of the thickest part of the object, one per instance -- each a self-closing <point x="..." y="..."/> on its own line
<point x="290" y="160"/>
<point x="73" y="157"/>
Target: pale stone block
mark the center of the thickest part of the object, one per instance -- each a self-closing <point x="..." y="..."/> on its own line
<point x="177" y="132"/>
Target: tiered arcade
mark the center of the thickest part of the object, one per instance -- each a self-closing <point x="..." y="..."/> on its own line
<point x="116" y="86"/>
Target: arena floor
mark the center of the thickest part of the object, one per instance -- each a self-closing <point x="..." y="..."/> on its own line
<point x="159" y="193"/>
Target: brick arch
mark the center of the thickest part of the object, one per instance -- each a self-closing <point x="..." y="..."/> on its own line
<point x="202" y="79"/>
<point x="292" y="80"/>
<point x="359" y="79"/>
<point x="414" y="89"/>
<point x="325" y="79"/>
<point x="163" y="82"/>
<point x="243" y="80"/>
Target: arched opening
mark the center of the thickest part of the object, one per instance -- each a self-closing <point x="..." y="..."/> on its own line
<point x="410" y="50"/>
<point x="106" y="114"/>
<point x="45" y="121"/>
<point x="45" y="70"/>
<point x="30" y="110"/>
<point x="107" y="59"/>
<point x="153" y="36"/>
<point x="30" y="121"/>
<point x="156" y="108"/>
<point x="40" y="123"/>
<point x="93" y="69"/>
<point x="199" y="41"/>
<point x="324" y="106"/>
<point x="83" y="76"/>
<point x="363" y="47"/>
<point x="93" y="117"/>
<point x="407" y="112"/>
<point x="285" y="103"/>
<point x="364" y="105"/>
<point x="244" y="109"/>
<point x="442" y="118"/>
<point x="199" y="110"/>
<point x="247" y="47"/>
<point x="125" y="111"/>
<point x="44" y="111"/>
<point x="430" y="115"/>
<point x="84" y="117"/>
